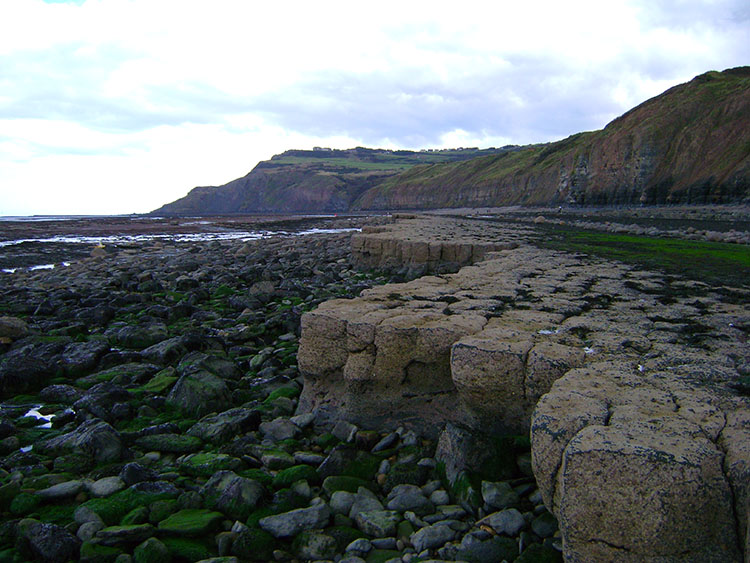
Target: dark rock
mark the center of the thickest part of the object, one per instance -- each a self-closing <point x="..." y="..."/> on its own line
<point x="220" y="428"/>
<point x="60" y="393"/>
<point x="133" y="473"/>
<point x="101" y="399"/>
<point x="166" y="351"/>
<point x="141" y="336"/>
<point x="200" y="393"/>
<point x="231" y="494"/>
<point x="254" y="545"/>
<point x="28" y="364"/>
<point x="196" y="361"/>
<point x="80" y="357"/>
<point x="94" y="438"/>
<point x="48" y="542"/>
<point x="291" y="523"/>
<point x="152" y="551"/>
<point x="496" y="548"/>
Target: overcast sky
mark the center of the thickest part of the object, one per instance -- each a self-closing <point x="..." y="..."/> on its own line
<point x="120" y="106"/>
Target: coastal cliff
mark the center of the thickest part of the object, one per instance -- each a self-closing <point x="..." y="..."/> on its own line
<point x="689" y="145"/>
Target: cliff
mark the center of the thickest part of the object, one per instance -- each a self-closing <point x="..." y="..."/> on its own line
<point x="321" y="180"/>
<point x="690" y="144"/>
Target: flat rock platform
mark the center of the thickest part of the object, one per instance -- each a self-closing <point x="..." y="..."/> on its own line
<point x="626" y="380"/>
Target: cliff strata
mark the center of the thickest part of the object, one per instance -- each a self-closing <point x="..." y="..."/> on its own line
<point x="689" y="145"/>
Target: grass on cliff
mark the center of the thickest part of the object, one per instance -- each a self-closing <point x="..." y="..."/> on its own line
<point x="715" y="263"/>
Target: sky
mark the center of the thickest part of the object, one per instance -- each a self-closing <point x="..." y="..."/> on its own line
<point x="120" y="106"/>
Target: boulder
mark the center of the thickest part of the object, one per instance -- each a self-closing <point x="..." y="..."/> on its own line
<point x="48" y="542"/>
<point x="200" y="393"/>
<point x="13" y="328"/>
<point x="93" y="438"/>
<point x="291" y="523"/>
<point x="231" y="494"/>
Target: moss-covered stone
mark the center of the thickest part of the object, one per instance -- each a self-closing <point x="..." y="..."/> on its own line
<point x="254" y="545"/>
<point x="326" y="440"/>
<point x="364" y="466"/>
<point x="113" y="508"/>
<point x="344" y="483"/>
<point x="314" y="545"/>
<point x="92" y="552"/>
<point x="257" y="515"/>
<point x="161" y="382"/>
<point x="285" y="500"/>
<point x="170" y="443"/>
<point x="152" y="551"/>
<point x="24" y="504"/>
<point x="290" y="475"/>
<point x="257" y="475"/>
<point x="344" y="535"/>
<point x="60" y="514"/>
<point x="382" y="555"/>
<point x="206" y="464"/>
<point x="8" y="492"/>
<point x="187" y="549"/>
<point x="139" y="515"/>
<point x="287" y="391"/>
<point x="161" y="509"/>
<point x="191" y="522"/>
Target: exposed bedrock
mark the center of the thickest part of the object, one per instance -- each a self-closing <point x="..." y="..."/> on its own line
<point x="625" y="380"/>
<point x="426" y="244"/>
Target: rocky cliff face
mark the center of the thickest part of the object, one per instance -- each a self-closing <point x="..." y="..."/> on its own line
<point x="296" y="181"/>
<point x="690" y="145"/>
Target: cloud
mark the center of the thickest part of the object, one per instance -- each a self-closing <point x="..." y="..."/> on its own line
<point x="152" y="97"/>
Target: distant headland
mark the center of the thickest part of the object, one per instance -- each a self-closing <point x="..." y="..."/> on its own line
<point x="689" y="145"/>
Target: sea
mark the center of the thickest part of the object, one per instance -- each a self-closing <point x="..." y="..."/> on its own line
<point x="53" y="241"/>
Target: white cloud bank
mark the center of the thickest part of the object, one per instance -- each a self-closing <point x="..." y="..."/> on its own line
<point x="119" y="106"/>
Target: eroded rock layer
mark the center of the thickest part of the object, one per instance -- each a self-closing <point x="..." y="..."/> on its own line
<point x="624" y="378"/>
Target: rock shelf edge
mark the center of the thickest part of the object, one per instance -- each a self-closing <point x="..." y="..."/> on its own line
<point x="640" y="442"/>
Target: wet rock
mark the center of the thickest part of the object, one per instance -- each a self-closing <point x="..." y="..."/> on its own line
<point x="61" y="490"/>
<point x="200" y="393"/>
<point x="499" y="495"/>
<point x="79" y="357"/>
<point x="133" y="473"/>
<point x="291" y="523"/>
<point x="191" y="522"/>
<point x="129" y="534"/>
<point x="48" y="542"/>
<point x="222" y="427"/>
<point x="13" y="328"/>
<point x="60" y="393"/>
<point x="93" y="438"/>
<point x="310" y="545"/>
<point x="378" y="523"/>
<point x="432" y="537"/>
<point x="279" y="429"/>
<point x="409" y="497"/>
<point x="101" y="401"/>
<point x="231" y="494"/>
<point x="166" y="351"/>
<point x="141" y="336"/>
<point x="152" y="550"/>
<point x="508" y="522"/>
